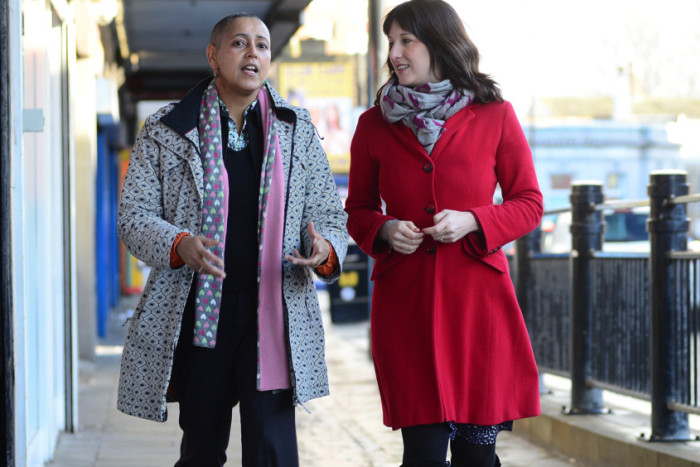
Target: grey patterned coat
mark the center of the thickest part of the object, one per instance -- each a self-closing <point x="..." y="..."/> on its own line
<point x="162" y="196"/>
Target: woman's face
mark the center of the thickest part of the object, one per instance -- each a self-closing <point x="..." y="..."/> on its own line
<point x="410" y="58"/>
<point x="241" y="59"/>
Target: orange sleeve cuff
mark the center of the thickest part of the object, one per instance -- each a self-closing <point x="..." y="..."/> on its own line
<point x="175" y="260"/>
<point x="329" y="267"/>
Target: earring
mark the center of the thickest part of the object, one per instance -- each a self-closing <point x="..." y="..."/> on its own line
<point x="216" y="75"/>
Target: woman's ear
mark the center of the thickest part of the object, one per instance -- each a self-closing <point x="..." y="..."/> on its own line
<point x="211" y="57"/>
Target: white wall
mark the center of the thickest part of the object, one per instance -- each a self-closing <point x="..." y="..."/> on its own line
<point x="40" y="283"/>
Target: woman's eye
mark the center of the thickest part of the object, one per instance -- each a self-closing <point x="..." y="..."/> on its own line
<point x="262" y="45"/>
<point x="391" y="44"/>
<point x="238" y="43"/>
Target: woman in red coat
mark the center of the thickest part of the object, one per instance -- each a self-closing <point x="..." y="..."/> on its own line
<point x="452" y="355"/>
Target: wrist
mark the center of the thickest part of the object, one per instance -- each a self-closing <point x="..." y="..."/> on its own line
<point x="386" y="229"/>
<point x="176" y="260"/>
<point x="387" y="224"/>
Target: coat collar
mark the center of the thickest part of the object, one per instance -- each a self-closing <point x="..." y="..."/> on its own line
<point x="183" y="117"/>
<point x="452" y="124"/>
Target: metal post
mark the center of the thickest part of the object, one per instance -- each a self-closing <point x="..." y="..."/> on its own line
<point x="586" y="237"/>
<point x="7" y="375"/>
<point x="374" y="13"/>
<point x="668" y="227"/>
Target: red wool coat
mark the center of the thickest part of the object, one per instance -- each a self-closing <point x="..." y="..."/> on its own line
<point x="448" y="338"/>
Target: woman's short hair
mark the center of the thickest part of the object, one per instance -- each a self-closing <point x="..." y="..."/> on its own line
<point x="437" y="25"/>
<point x="222" y="26"/>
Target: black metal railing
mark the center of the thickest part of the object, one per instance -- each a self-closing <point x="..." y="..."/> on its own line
<point x="552" y="294"/>
<point x="620" y="323"/>
<point x="625" y="322"/>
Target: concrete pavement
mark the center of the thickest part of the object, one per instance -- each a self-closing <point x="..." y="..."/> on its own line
<point x="344" y="429"/>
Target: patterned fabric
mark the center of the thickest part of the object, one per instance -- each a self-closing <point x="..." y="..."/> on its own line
<point x="162" y="196"/>
<point x="478" y="434"/>
<point x="423" y="109"/>
<point x="237" y="141"/>
<point x="214" y="215"/>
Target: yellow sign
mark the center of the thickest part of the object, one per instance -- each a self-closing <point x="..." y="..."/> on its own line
<point x="327" y="90"/>
<point x="349" y="279"/>
<point x="317" y="79"/>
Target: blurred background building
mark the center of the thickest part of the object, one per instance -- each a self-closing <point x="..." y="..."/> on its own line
<point x="604" y="90"/>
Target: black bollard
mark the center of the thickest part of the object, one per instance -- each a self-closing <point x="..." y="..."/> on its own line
<point x="586" y="237"/>
<point x="668" y="227"/>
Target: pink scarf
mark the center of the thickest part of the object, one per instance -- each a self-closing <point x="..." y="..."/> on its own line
<point x="273" y="369"/>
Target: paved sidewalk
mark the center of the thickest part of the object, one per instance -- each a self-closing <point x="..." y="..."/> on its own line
<point x="344" y="429"/>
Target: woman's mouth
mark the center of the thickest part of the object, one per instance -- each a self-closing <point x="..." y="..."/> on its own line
<point x="250" y="69"/>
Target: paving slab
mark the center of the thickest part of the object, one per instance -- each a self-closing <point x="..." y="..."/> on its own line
<point x="344" y="429"/>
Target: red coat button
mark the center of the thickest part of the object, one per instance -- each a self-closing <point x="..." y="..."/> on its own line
<point x="430" y="209"/>
<point x="428" y="167"/>
<point x="431" y="250"/>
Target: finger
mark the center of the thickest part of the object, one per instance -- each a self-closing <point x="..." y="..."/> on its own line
<point x="213" y="271"/>
<point x="208" y="241"/>
<point x="300" y="261"/>
<point x="411" y="226"/>
<point x="441" y="215"/>
<point x="211" y="258"/>
<point x="205" y="267"/>
<point x="312" y="230"/>
<point x="412" y="233"/>
<point x="413" y="242"/>
<point x="296" y="258"/>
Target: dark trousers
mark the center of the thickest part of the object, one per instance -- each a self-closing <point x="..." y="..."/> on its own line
<point x="426" y="446"/>
<point x="208" y="383"/>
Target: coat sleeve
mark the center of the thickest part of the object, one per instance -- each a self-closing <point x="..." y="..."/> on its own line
<point x="364" y="204"/>
<point x="521" y="210"/>
<point x="322" y="205"/>
<point x="140" y="222"/>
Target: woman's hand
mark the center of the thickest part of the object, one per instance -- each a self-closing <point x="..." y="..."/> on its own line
<point x="194" y="252"/>
<point x="320" y="250"/>
<point x="404" y="236"/>
<point x="451" y="226"/>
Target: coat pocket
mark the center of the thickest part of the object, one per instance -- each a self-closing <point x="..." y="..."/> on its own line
<point x="496" y="260"/>
<point x="384" y="264"/>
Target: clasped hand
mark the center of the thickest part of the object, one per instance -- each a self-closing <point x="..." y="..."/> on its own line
<point x="449" y="227"/>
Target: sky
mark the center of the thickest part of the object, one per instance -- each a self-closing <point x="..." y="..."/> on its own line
<point x="576" y="49"/>
<point x="560" y="48"/>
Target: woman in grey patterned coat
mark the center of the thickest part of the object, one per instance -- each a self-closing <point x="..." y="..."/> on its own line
<point x="230" y="199"/>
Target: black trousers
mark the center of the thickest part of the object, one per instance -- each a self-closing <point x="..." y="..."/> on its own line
<point x="426" y="446"/>
<point x="208" y="383"/>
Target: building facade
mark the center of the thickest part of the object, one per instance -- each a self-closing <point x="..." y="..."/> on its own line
<point x="51" y="63"/>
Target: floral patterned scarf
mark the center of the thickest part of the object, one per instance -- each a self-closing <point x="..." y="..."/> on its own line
<point x="424" y="108"/>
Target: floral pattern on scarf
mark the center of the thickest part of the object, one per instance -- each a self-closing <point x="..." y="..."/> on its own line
<point x="424" y="108"/>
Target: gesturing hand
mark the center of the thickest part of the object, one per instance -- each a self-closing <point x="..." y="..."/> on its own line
<point x="451" y="225"/>
<point x="404" y="236"/>
<point x="193" y="251"/>
<point x="320" y="249"/>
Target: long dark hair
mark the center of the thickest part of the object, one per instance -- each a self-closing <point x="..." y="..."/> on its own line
<point x="437" y="25"/>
